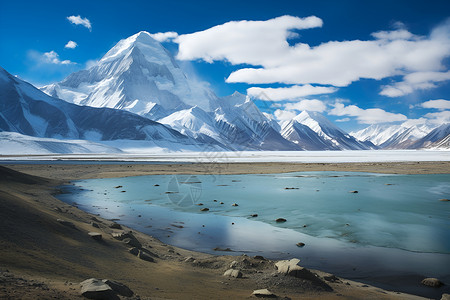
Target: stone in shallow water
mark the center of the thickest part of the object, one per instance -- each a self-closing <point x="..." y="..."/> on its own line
<point x="433" y="282"/>
<point x="280" y="220"/>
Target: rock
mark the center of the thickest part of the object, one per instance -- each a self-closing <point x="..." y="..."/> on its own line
<point x="134" y="251"/>
<point x="204" y="209"/>
<point x="234" y="204"/>
<point x="119" y="288"/>
<point x="115" y="226"/>
<point x="259" y="257"/>
<point x="144" y="256"/>
<point x="93" y="224"/>
<point x="156" y="185"/>
<point x="233" y="264"/>
<point x="444" y="200"/>
<point x="233" y="273"/>
<point x="132" y="241"/>
<point x="301" y="245"/>
<point x="118" y="187"/>
<point x="331" y="278"/>
<point x="65" y="223"/>
<point x="254" y="215"/>
<point x="432" y="282"/>
<point x="291" y="268"/>
<point x="445" y="297"/>
<point x="95" y="235"/>
<point x="94" y="288"/>
<point x="280" y="220"/>
<point x="264" y="293"/>
<point x="354" y="192"/>
<point x="189" y="259"/>
<point x="221" y="202"/>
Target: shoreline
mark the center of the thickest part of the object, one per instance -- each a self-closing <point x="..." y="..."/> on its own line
<point x="39" y="195"/>
<point x="97" y="170"/>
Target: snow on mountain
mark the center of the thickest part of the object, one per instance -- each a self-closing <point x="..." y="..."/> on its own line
<point x="196" y="123"/>
<point x="442" y="144"/>
<point x="13" y="143"/>
<point x="27" y="110"/>
<point x="392" y="136"/>
<point x="239" y="122"/>
<point x="305" y="137"/>
<point x="137" y="74"/>
<point x="437" y="137"/>
<point x="333" y="136"/>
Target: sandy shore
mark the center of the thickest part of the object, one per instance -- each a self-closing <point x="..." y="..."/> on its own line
<point x="43" y="258"/>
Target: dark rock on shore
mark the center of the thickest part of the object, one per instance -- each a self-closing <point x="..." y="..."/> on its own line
<point x="94" y="288"/>
<point x="115" y="226"/>
<point x="65" y="223"/>
<point x="95" y="235"/>
<point x="263" y="293"/>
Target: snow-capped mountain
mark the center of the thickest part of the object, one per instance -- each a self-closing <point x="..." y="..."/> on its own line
<point x="139" y="75"/>
<point x="13" y="143"/>
<point x="332" y="136"/>
<point x="241" y="123"/>
<point x="305" y="137"/>
<point x="437" y="138"/>
<point x="393" y="136"/>
<point x="26" y="110"/>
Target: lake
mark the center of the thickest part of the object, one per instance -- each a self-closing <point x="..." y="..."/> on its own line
<point x="363" y="226"/>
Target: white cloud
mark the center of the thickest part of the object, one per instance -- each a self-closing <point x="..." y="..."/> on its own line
<point x="263" y="45"/>
<point x="71" y="45"/>
<point x="250" y="42"/>
<point x="439" y="118"/>
<point x="366" y="116"/>
<point x="164" y="36"/>
<point x="343" y="120"/>
<point x="78" y="20"/>
<point x="414" y="122"/>
<point x="310" y="105"/>
<point x="284" y="115"/>
<point x="440" y="104"/>
<point x="400" y="34"/>
<point x="53" y="58"/>
<point x="288" y="93"/>
<point x="415" y="81"/>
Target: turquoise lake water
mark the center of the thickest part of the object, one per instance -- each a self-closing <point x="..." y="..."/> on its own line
<point x="395" y="225"/>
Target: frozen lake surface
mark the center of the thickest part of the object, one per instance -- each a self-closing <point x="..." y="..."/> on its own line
<point x="250" y="156"/>
<point x="395" y="225"/>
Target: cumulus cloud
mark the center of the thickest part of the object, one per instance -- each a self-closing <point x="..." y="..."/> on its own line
<point x="53" y="58"/>
<point x="264" y="46"/>
<point x="440" y="104"/>
<point x="415" y="81"/>
<point x="250" y="42"/>
<point x="78" y="20"/>
<point x="164" y="36"/>
<point x="288" y="93"/>
<point x="366" y="116"/>
<point x="284" y="115"/>
<point x="71" y="45"/>
<point x="310" y="105"/>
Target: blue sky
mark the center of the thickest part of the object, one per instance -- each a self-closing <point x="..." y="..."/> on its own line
<point x="376" y="61"/>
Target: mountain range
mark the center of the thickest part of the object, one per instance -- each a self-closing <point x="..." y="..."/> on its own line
<point x="138" y="92"/>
